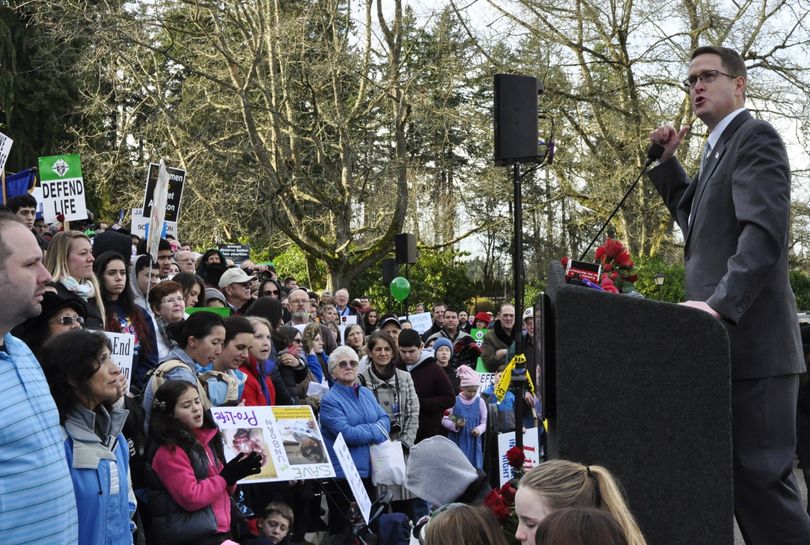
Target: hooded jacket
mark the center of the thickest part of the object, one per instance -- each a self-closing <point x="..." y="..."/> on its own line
<point x="435" y="393"/>
<point x="99" y="468"/>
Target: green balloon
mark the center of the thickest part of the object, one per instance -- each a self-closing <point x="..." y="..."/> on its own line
<point x="400" y="288"/>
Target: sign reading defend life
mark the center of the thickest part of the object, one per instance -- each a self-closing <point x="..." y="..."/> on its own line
<point x="62" y="187"/>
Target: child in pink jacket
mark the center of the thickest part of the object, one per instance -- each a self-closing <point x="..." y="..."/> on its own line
<point x="189" y="483"/>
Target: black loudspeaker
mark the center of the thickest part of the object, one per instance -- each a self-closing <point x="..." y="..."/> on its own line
<point x="515" y="119"/>
<point x="390" y="270"/>
<point x="644" y="389"/>
<point x="406" y="248"/>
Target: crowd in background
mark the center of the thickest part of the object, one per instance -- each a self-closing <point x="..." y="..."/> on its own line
<point x="147" y="465"/>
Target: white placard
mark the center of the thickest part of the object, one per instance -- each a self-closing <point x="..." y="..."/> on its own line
<point x="348" y="320"/>
<point x="63" y="197"/>
<point x="288" y="438"/>
<point x="139" y="224"/>
<point x="5" y="149"/>
<point x="530" y="449"/>
<point x="123" y="350"/>
<point x="486" y="380"/>
<point x="355" y="482"/>
<point x="421" y="322"/>
<point x="37" y="194"/>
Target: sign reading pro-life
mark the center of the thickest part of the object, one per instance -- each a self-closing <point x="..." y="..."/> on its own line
<point x="62" y="187"/>
<point x="176" y="179"/>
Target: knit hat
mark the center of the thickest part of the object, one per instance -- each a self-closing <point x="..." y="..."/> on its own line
<point x="482" y="317"/>
<point x="213" y="293"/>
<point x="468" y="376"/>
<point x="441" y="341"/>
<point x="438" y="471"/>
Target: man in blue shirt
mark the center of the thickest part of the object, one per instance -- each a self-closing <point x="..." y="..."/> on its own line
<point x="37" y="504"/>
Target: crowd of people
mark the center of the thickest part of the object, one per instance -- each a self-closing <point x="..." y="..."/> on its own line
<point x="146" y="465"/>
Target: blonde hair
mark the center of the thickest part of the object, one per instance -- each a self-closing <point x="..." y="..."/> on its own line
<point x="562" y="483"/>
<point x="56" y="261"/>
<point x="460" y="523"/>
<point x="255" y="320"/>
<point x="312" y="330"/>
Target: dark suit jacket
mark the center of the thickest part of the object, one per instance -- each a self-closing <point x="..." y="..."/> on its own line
<point x="735" y="251"/>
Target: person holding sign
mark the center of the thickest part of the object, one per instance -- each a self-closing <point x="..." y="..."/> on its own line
<point x="124" y="316"/>
<point x="190" y="485"/>
<point x="351" y="410"/>
<point x="70" y="262"/>
<point x="84" y="383"/>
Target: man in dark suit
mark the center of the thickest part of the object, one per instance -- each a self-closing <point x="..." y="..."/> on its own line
<point x="735" y="217"/>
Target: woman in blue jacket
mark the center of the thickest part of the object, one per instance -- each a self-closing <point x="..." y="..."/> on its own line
<point x="351" y="410"/>
<point x="84" y="382"/>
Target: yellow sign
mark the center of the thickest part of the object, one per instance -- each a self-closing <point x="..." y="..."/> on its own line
<point x="506" y="377"/>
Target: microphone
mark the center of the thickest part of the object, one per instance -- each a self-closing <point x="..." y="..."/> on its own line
<point x="654" y="152"/>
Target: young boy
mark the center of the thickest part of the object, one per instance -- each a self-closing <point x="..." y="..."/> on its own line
<point x="274" y="525"/>
<point x="443" y="354"/>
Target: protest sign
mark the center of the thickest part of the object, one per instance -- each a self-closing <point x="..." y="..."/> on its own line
<point x="174" y="192"/>
<point x="5" y="149"/>
<point x="157" y="211"/>
<point x="62" y="187"/>
<point x="478" y="337"/>
<point x="530" y="449"/>
<point x="421" y="322"/>
<point x="238" y="253"/>
<point x="486" y="380"/>
<point x="139" y="225"/>
<point x="37" y="194"/>
<point x="353" y="477"/>
<point x="348" y="320"/>
<point x="123" y="347"/>
<point x="288" y="439"/>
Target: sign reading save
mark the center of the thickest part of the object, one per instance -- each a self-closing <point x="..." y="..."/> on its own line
<point x="62" y="187"/>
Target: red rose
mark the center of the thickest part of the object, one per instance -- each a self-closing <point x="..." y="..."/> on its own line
<point x="495" y="503"/>
<point x="508" y="494"/>
<point x="564" y="261"/>
<point x="515" y="457"/>
<point x="607" y="267"/>
<point x="60" y="218"/>
<point x="623" y="259"/>
<point x="447" y="412"/>
<point x="600" y="253"/>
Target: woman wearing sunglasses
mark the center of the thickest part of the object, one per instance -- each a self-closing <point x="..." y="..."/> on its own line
<point x="351" y="410"/>
<point x="59" y="315"/>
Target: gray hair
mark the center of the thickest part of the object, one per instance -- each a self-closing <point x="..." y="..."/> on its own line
<point x="339" y="353"/>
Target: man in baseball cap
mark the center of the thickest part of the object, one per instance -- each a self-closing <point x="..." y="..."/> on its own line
<point x="235" y="284"/>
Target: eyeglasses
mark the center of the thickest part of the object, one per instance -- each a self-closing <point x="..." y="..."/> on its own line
<point x="706" y="77"/>
<point x="347" y="364"/>
<point x="172" y="300"/>
<point x="68" y="320"/>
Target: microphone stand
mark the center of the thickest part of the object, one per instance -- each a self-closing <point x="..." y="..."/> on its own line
<point x="654" y="153"/>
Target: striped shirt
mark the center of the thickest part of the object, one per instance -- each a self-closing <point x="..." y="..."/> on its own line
<point x="37" y="504"/>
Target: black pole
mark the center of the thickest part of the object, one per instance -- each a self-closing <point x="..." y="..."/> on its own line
<point x="519" y="372"/>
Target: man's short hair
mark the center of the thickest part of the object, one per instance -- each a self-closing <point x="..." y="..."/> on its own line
<point x="408" y="338"/>
<point x="7" y="220"/>
<point x="162" y="245"/>
<point x="22" y="201"/>
<point x="732" y="61"/>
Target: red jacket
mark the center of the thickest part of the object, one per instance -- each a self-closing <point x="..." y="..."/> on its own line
<point x="253" y="394"/>
<point x="173" y="468"/>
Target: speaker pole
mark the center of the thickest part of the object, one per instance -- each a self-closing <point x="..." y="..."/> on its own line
<point x="519" y="372"/>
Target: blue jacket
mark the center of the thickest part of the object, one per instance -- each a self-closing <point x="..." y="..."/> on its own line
<point x="354" y="412"/>
<point x="99" y="470"/>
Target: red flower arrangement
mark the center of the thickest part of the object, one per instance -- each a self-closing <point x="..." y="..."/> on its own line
<point x="501" y="501"/>
<point x="618" y="269"/>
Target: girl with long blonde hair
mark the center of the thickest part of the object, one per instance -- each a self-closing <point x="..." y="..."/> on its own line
<point x="70" y="262"/>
